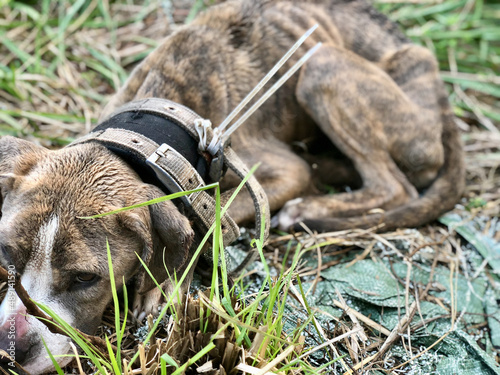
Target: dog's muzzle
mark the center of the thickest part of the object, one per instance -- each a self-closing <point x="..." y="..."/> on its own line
<point x="159" y="140"/>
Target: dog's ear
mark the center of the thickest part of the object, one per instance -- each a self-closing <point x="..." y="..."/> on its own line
<point x="167" y="241"/>
<point x="6" y="182"/>
<point x="17" y="157"/>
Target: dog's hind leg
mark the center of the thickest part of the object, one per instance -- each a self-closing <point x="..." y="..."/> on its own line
<point x="353" y="101"/>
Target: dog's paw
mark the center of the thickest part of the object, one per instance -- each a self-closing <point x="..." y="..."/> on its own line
<point x="290" y="214"/>
<point x="148" y="303"/>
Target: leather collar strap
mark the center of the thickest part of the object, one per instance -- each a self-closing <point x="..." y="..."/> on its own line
<point x="159" y="129"/>
<point x="157" y="137"/>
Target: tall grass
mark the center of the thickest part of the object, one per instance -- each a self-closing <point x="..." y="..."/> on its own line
<point x="464" y="35"/>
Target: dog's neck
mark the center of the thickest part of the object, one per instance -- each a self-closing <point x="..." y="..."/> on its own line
<point x="158" y="129"/>
<point x="172" y="159"/>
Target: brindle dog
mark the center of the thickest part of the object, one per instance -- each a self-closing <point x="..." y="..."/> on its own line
<point x="368" y="93"/>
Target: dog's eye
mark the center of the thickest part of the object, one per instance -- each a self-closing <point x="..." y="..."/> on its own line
<point x="4" y="254"/>
<point x="86" y="278"/>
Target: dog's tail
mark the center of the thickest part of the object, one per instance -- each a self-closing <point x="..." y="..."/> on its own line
<point x="438" y="198"/>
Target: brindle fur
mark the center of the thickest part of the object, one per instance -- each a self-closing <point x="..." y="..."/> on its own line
<point x="367" y="93"/>
<point x="377" y="97"/>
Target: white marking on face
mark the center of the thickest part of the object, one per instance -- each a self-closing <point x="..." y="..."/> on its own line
<point x="37" y="279"/>
<point x="45" y="241"/>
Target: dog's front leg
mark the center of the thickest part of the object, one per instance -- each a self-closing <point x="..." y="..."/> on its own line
<point x="150" y="302"/>
<point x="153" y="301"/>
<point x="282" y="174"/>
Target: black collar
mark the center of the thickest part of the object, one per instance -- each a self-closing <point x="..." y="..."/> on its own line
<point x="159" y="129"/>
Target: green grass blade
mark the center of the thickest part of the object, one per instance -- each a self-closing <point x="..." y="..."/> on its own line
<point x="54" y="361"/>
<point x="5" y="117"/>
<point x="94" y="355"/>
<point x="115" y="363"/>
<point x="165" y="360"/>
<point x="116" y="304"/>
<point x="152" y="201"/>
<point x="12" y="47"/>
<point x="194" y="358"/>
<point x="69" y="15"/>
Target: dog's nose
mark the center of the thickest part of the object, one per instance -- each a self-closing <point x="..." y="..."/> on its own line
<point x="16" y="348"/>
<point x="13" y="331"/>
<point x="14" y="344"/>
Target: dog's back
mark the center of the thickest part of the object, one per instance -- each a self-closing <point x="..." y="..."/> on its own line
<point x="212" y="63"/>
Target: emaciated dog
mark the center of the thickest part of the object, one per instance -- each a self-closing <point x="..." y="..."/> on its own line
<point x="368" y="110"/>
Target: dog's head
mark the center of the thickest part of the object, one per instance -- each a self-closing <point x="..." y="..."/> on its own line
<point x="62" y="258"/>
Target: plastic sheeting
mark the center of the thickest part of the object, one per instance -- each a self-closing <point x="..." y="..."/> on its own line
<point x="371" y="287"/>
